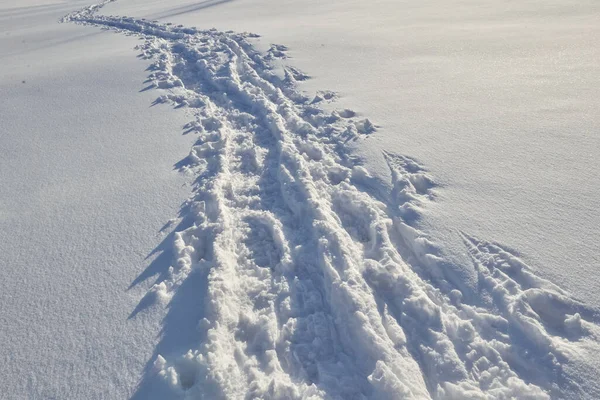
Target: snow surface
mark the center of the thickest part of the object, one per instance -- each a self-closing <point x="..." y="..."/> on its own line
<point x="86" y="184"/>
<point x="498" y="99"/>
<point x="296" y="269"/>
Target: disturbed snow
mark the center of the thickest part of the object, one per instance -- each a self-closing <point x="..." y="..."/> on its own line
<point x="312" y="276"/>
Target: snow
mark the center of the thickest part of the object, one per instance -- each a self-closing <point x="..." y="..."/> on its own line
<point x="497" y="98"/>
<point x="296" y="268"/>
<point x="86" y="184"/>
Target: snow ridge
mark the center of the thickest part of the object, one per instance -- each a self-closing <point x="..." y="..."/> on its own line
<point x="319" y="284"/>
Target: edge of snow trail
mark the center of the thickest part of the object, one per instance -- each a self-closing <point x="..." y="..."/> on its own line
<point x="310" y="277"/>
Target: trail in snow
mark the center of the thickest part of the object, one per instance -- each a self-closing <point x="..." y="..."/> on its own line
<point x="317" y="282"/>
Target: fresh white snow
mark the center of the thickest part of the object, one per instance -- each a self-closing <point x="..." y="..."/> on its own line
<point x="296" y="268"/>
<point x="86" y="184"/>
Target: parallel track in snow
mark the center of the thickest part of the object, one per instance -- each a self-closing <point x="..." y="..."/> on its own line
<point x="319" y="285"/>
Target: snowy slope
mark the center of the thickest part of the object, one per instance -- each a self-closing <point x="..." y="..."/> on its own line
<point x="296" y="272"/>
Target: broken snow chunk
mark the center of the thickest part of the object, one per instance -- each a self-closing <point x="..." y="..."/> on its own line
<point x="365" y="126"/>
<point x="360" y="172"/>
<point x="573" y="324"/>
<point x="160" y="363"/>
<point x="456" y="297"/>
<point x="346" y="113"/>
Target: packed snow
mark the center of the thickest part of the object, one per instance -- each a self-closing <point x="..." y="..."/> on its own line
<point x="298" y="267"/>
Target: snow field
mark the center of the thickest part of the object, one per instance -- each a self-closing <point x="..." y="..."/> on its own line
<point x="319" y="283"/>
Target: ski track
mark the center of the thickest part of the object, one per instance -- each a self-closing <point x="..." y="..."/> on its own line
<point x="319" y="284"/>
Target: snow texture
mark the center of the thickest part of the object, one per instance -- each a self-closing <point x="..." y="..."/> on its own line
<point x="315" y="280"/>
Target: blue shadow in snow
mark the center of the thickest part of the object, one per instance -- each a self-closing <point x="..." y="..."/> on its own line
<point x="189" y="8"/>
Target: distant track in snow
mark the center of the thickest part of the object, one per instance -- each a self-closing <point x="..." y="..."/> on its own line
<point x="318" y="284"/>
